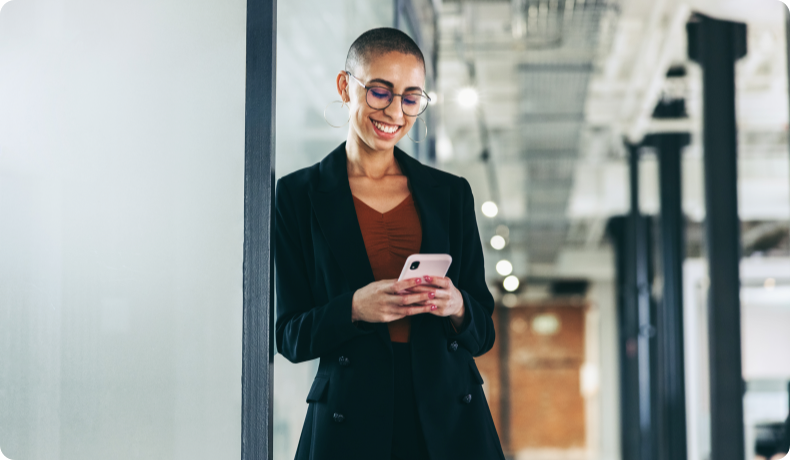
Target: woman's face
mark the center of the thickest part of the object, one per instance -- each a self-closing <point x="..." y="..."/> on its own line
<point x="400" y="73"/>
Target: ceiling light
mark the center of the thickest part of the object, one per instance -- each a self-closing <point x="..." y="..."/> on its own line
<point x="503" y="230"/>
<point x="490" y="209"/>
<point x="497" y="242"/>
<point x="510" y="283"/>
<point x="434" y="97"/>
<point x="467" y="98"/>
<point x="504" y="268"/>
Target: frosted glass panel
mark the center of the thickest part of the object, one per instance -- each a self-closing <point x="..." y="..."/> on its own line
<point x="121" y="228"/>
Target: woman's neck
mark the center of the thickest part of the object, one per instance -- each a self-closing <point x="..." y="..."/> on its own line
<point x="361" y="160"/>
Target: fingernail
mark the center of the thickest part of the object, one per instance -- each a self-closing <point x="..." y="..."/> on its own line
<point x="433" y="307"/>
<point x="431" y="295"/>
<point x="418" y="281"/>
<point x="427" y="278"/>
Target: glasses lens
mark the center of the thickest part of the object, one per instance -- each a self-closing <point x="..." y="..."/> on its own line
<point x="379" y="97"/>
<point x="414" y="103"/>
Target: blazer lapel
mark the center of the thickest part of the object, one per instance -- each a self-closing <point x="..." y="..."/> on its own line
<point x="334" y="208"/>
<point x="337" y="216"/>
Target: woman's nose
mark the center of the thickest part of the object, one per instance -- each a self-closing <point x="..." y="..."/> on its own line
<point x="395" y="111"/>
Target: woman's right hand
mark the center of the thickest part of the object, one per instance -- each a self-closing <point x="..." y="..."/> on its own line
<point x="388" y="300"/>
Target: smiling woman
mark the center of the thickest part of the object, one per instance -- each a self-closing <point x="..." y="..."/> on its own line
<point x="397" y="377"/>
<point x="379" y="60"/>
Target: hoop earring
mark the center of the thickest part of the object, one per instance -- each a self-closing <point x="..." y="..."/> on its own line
<point x="426" y="131"/>
<point x="342" y="104"/>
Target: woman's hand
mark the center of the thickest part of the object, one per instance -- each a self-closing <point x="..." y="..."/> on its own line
<point x="389" y="300"/>
<point x="448" y="300"/>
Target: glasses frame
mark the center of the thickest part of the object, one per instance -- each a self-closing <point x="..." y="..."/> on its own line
<point x="368" y="88"/>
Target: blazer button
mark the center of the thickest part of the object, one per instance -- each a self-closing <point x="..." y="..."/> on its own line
<point x="467" y="399"/>
<point x="453" y="345"/>
<point x="338" y="417"/>
<point x="344" y="361"/>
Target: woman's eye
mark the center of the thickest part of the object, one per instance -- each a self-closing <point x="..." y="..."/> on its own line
<point x="411" y="99"/>
<point x="381" y="94"/>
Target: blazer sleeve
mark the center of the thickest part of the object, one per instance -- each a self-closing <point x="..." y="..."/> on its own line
<point x="304" y="331"/>
<point x="477" y="330"/>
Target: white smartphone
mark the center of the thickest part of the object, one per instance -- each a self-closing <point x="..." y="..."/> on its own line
<point x="419" y="265"/>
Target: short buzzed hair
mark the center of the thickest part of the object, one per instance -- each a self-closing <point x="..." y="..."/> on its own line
<point x="380" y="41"/>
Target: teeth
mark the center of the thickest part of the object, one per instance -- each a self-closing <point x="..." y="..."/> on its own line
<point x="386" y="129"/>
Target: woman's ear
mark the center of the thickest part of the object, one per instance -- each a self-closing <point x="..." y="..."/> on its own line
<point x="342" y="86"/>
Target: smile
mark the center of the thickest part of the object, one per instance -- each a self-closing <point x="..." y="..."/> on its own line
<point x="385" y="127"/>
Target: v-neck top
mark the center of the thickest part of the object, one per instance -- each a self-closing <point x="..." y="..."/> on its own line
<point x="390" y="238"/>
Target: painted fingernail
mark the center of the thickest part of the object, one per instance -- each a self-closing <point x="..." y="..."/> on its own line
<point x="418" y="281"/>
<point x="431" y="295"/>
<point x="433" y="307"/>
<point x="427" y="278"/>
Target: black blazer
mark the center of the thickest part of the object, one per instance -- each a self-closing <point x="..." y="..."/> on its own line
<point x="320" y="261"/>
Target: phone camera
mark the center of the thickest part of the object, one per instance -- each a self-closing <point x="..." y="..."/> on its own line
<point x="414" y="265"/>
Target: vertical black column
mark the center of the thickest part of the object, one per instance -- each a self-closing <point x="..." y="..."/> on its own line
<point x="627" y="330"/>
<point x="632" y="241"/>
<point x="638" y="230"/>
<point x="671" y="375"/>
<point x="258" y="318"/>
<point x="716" y="45"/>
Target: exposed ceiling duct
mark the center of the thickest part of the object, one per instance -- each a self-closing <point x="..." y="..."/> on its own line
<point x="552" y="48"/>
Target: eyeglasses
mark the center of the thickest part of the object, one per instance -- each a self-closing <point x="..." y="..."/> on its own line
<point x="378" y="97"/>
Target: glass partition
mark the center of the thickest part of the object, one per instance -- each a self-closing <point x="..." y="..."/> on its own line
<point x="121" y="229"/>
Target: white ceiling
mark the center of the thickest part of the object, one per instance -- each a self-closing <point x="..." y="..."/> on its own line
<point x="570" y="174"/>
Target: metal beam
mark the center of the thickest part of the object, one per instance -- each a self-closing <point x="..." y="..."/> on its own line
<point x="257" y="377"/>
<point x="716" y="45"/>
<point x="627" y="330"/>
<point x="632" y="241"/>
<point x="671" y="405"/>
<point x="638" y="229"/>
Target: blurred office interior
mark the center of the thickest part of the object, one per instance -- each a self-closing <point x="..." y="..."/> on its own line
<point x="629" y="161"/>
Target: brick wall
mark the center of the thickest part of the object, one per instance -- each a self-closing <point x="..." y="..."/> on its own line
<point x="545" y="354"/>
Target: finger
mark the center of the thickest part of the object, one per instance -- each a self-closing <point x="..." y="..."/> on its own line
<point x="446" y="294"/>
<point x="394" y="315"/>
<point x="419" y="288"/>
<point x="414" y="298"/>
<point x="437" y="293"/>
<point x="398" y="286"/>
<point x="424" y="303"/>
<point x="410" y="311"/>
<point x="438" y="303"/>
<point x="438" y="281"/>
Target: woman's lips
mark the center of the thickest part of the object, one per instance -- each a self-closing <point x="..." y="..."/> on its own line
<point x="382" y="133"/>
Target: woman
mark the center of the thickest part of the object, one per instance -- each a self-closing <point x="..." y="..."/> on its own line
<point x="397" y="378"/>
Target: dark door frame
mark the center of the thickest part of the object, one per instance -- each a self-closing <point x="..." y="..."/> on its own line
<point x="257" y="375"/>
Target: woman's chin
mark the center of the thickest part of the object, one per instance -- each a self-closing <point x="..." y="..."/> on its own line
<point x="377" y="143"/>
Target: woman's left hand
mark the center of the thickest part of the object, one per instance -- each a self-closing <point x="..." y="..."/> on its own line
<point x="447" y="300"/>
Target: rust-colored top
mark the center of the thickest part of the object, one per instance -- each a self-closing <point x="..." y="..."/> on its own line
<point x="390" y="238"/>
